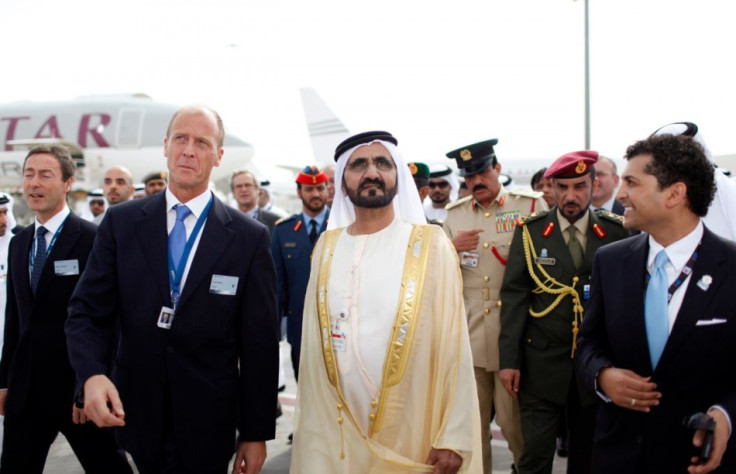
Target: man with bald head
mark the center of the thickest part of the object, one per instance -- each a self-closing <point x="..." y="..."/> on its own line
<point x="117" y="187"/>
<point x="604" y="196"/>
<point x="191" y="285"/>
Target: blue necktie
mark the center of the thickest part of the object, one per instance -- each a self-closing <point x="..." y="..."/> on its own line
<point x="178" y="235"/>
<point x="655" y="309"/>
<point x="39" y="260"/>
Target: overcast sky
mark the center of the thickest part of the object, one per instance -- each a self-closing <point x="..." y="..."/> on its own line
<point x="438" y="75"/>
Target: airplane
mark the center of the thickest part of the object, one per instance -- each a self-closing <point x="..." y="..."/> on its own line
<point x="100" y="131"/>
<point x="326" y="131"/>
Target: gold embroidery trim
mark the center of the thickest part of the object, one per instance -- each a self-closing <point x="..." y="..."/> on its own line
<point x="399" y="349"/>
<point x="412" y="286"/>
<point x="330" y="240"/>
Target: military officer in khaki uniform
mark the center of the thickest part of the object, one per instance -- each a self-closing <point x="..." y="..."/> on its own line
<point x="481" y="227"/>
<point x="545" y="290"/>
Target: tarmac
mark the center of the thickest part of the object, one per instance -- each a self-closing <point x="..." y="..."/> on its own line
<point x="61" y="459"/>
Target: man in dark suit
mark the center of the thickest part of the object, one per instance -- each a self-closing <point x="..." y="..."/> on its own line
<point x="46" y="259"/>
<point x="604" y="196"/>
<point x="544" y="290"/>
<point x="197" y="352"/>
<point x="657" y="342"/>
<point x="244" y="187"/>
<point x="292" y="244"/>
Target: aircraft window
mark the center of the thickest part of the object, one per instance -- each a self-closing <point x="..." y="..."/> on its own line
<point x="130" y="127"/>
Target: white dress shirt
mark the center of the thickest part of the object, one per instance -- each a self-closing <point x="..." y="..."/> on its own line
<point x="196" y="205"/>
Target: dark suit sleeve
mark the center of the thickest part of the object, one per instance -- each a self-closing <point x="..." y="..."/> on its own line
<point x="12" y="325"/>
<point x="592" y="346"/>
<point x="281" y="283"/>
<point x="514" y="304"/>
<point x="92" y="308"/>
<point x="259" y="347"/>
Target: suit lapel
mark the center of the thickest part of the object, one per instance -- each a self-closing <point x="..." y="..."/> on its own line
<point x="696" y="301"/>
<point x="21" y="259"/>
<point x="216" y="236"/>
<point x="151" y="230"/>
<point x="634" y="266"/>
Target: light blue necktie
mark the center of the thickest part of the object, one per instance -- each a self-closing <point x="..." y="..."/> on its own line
<point x="655" y="308"/>
<point x="39" y="260"/>
<point x="178" y="235"/>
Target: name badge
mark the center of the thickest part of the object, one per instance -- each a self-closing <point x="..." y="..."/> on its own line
<point x="290" y="245"/>
<point x="224" y="285"/>
<point x="165" y="318"/>
<point x="545" y="260"/>
<point x="469" y="259"/>
<point x="66" y="267"/>
<point x="586" y="292"/>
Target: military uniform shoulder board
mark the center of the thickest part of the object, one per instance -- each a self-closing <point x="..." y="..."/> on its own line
<point x="610" y="216"/>
<point x="532" y="217"/>
<point x="525" y="193"/>
<point x="455" y="204"/>
<point x="285" y="219"/>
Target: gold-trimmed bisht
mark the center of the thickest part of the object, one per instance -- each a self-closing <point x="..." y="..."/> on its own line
<point x="399" y="348"/>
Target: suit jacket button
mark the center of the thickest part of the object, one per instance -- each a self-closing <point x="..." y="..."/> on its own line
<point x="169" y="349"/>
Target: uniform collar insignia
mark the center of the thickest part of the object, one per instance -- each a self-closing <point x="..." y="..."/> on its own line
<point x="599" y="231"/>
<point x="548" y="230"/>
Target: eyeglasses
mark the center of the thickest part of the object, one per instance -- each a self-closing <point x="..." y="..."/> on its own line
<point x="438" y="184"/>
<point x="360" y="165"/>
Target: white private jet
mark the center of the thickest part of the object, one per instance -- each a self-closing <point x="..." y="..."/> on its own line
<point x="100" y="131"/>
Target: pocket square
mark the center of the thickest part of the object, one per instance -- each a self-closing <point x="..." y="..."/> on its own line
<point x="710" y="322"/>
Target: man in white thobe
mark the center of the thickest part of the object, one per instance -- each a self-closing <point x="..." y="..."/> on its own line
<point x="386" y="381"/>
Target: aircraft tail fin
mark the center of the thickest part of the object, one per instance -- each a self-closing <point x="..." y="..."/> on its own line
<point x="326" y="131"/>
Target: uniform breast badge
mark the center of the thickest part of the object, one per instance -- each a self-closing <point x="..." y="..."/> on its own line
<point x="543" y="258"/>
<point x="506" y="221"/>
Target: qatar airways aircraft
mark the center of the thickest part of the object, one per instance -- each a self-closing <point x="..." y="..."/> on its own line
<point x="100" y="131"/>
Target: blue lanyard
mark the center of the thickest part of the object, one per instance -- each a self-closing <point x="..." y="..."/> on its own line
<point x="50" y="246"/>
<point x="686" y="271"/>
<point x="175" y="275"/>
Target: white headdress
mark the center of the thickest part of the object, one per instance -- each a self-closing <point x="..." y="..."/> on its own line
<point x="407" y="206"/>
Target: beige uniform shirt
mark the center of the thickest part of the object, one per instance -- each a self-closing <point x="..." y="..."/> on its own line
<point x="483" y="268"/>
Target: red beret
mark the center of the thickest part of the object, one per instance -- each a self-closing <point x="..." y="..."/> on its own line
<point x="311" y="175"/>
<point x="572" y="165"/>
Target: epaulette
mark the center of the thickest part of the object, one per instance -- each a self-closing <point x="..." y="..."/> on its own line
<point x="531" y="217"/>
<point x="610" y="216"/>
<point x="454" y="204"/>
<point x="525" y="193"/>
<point x="284" y="219"/>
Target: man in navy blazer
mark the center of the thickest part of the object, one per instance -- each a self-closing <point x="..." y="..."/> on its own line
<point x="36" y="379"/>
<point x="192" y="364"/>
<point x="658" y="357"/>
<point x="292" y="244"/>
